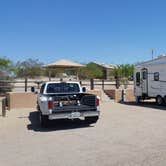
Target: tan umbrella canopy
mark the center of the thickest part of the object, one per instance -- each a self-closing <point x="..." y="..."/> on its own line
<point x="66" y="64"/>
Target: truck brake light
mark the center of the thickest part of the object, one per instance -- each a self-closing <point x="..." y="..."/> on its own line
<point x="97" y="101"/>
<point x="50" y="104"/>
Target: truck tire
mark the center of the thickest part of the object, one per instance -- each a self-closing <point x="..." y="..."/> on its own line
<point x="43" y="120"/>
<point x="138" y="99"/>
<point x="90" y="120"/>
<point x="159" y="100"/>
<point x="38" y="107"/>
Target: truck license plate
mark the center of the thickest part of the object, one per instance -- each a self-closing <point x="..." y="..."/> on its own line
<point x="74" y="115"/>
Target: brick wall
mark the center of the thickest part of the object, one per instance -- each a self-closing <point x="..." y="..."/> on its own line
<point x="28" y="99"/>
<point x="116" y="94"/>
<point x="130" y="95"/>
<point x="21" y="100"/>
<point x="95" y="92"/>
<point x="110" y="93"/>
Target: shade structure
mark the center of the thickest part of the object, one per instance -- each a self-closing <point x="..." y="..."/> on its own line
<point x="66" y="64"/>
<point x="63" y="63"/>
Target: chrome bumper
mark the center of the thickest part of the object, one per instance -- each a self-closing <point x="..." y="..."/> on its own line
<point x="68" y="115"/>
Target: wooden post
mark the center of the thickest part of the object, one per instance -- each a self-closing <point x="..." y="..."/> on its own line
<point x="26" y="82"/>
<point x="91" y="84"/>
<point x="49" y="75"/>
<point x="3" y="107"/>
<point x="117" y="82"/>
<point x="77" y="76"/>
<point x="38" y="85"/>
<point x="102" y="84"/>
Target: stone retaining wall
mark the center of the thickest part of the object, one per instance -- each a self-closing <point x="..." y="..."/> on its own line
<point x="28" y="99"/>
<point x="21" y="100"/>
<point x="2" y="106"/>
<point x="116" y="94"/>
<point x="95" y="92"/>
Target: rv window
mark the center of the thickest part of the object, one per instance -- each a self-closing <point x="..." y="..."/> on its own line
<point x="144" y="75"/>
<point x="156" y="76"/>
<point x="138" y="78"/>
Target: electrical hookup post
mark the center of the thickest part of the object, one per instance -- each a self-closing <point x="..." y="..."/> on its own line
<point x="123" y="94"/>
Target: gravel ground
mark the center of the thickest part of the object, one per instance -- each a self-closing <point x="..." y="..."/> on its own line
<point x="125" y="135"/>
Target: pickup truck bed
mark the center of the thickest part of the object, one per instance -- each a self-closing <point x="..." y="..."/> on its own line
<point x="71" y="105"/>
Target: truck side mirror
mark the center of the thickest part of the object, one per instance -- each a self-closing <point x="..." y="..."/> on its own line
<point x="32" y="89"/>
<point x="84" y="89"/>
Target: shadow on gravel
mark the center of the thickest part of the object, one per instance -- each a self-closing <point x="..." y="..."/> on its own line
<point x="54" y="125"/>
<point x="147" y="104"/>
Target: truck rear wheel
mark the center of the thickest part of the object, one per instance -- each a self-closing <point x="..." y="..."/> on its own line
<point x="38" y="107"/>
<point x="43" y="120"/>
<point x="138" y="99"/>
<point x="159" y="100"/>
<point x="90" y="120"/>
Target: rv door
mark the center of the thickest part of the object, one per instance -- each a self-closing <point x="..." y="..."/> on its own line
<point x="137" y="82"/>
<point x="145" y="82"/>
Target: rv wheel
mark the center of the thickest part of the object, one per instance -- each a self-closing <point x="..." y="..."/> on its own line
<point x="164" y="99"/>
<point x="159" y="100"/>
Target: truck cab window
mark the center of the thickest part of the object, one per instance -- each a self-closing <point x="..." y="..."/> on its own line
<point x="62" y="87"/>
<point x="138" y="78"/>
<point x="156" y="76"/>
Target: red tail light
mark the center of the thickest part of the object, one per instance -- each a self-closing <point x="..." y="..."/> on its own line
<point x="50" y="104"/>
<point x="97" y="102"/>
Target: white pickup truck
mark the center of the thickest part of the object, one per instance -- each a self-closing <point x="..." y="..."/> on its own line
<point x="66" y="100"/>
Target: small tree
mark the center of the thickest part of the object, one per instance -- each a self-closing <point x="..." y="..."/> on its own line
<point x="122" y="73"/>
<point x="29" y="68"/>
<point x="6" y="68"/>
<point x="91" y="71"/>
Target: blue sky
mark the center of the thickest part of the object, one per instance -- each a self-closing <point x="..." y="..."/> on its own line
<point x="108" y="31"/>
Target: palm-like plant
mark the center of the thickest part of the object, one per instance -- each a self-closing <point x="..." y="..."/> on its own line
<point x="121" y="73"/>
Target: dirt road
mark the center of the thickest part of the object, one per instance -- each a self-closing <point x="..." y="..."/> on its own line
<point x="125" y="135"/>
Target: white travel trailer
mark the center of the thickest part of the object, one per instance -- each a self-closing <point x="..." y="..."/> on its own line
<point x="150" y="80"/>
